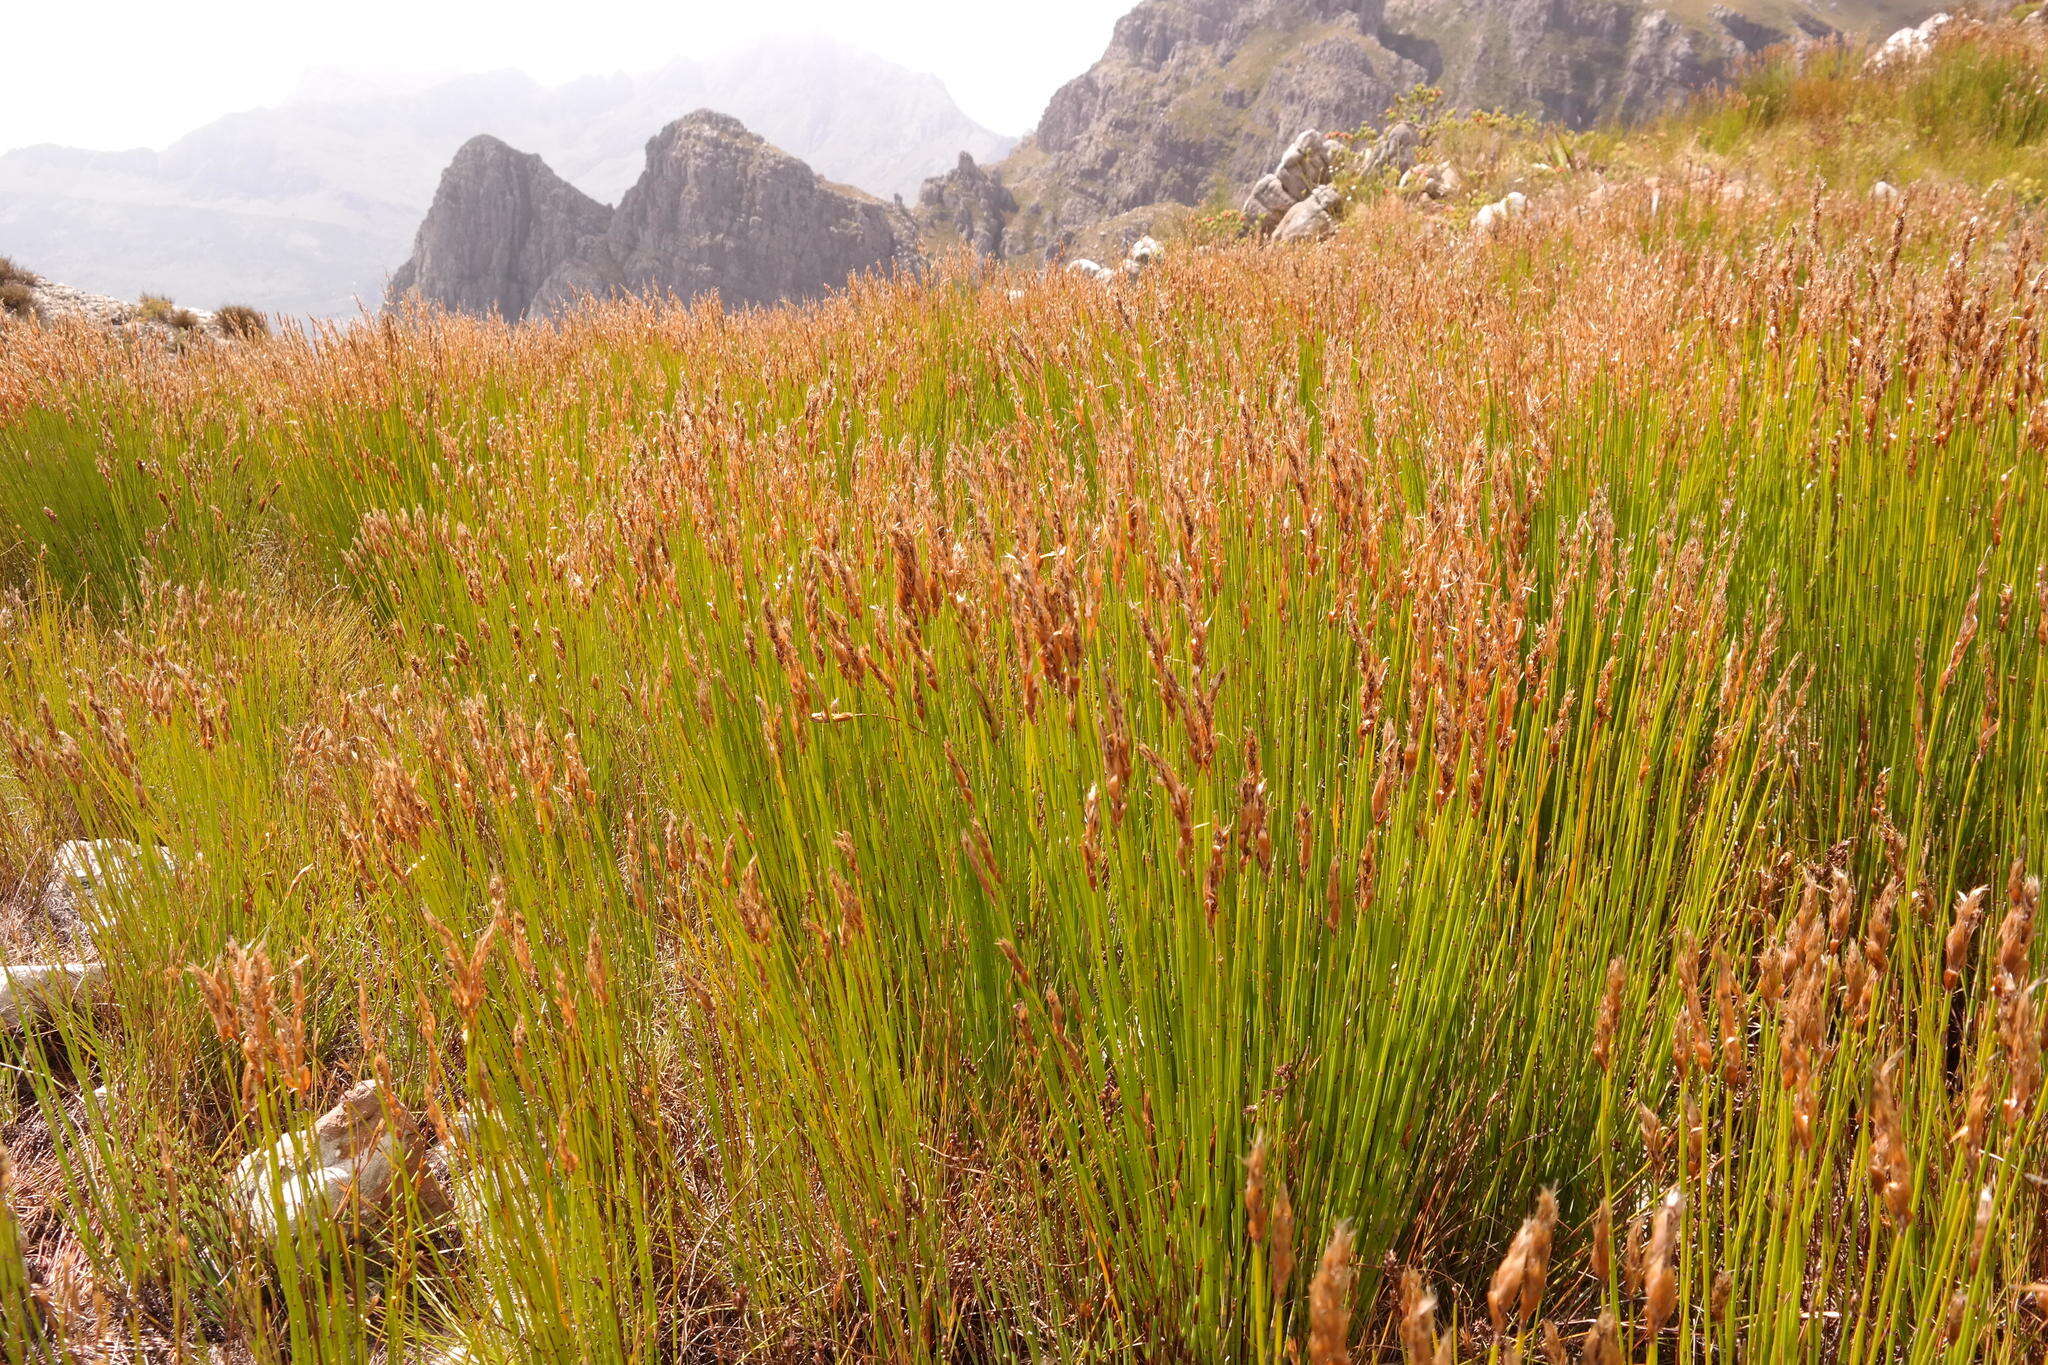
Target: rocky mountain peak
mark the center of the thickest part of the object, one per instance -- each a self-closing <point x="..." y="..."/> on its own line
<point x="716" y="208"/>
<point x="500" y="226"/>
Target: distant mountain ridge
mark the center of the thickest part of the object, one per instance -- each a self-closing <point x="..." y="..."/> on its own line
<point x="307" y="207"/>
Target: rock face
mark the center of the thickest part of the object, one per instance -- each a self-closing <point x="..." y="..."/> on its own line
<point x="501" y="225"/>
<point x="715" y="209"/>
<point x="968" y="203"/>
<point x="718" y="208"/>
<point x="1194" y="100"/>
<point x="1582" y="61"/>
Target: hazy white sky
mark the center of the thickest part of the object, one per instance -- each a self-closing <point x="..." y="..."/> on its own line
<point x="137" y="73"/>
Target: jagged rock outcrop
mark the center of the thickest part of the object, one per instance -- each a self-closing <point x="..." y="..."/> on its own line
<point x="715" y="209"/>
<point x="501" y="225"/>
<point x="967" y="203"/>
<point x="1306" y="167"/>
<point x="1194" y="100"/>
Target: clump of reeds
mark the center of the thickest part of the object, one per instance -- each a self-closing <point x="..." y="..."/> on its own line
<point x="931" y="826"/>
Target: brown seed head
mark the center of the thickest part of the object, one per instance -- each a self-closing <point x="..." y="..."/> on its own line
<point x="1956" y="947"/>
<point x="1418" y="1319"/>
<point x="1517" y="1285"/>
<point x="1660" y="1271"/>
<point x="1603" y="1342"/>
<point x="1329" y="1301"/>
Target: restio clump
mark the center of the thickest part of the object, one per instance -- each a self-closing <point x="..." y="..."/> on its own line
<point x="1469" y="797"/>
<point x="18" y="300"/>
<point x="239" y="322"/>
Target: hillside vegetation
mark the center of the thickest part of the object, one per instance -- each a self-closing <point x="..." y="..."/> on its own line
<point x="1434" y="796"/>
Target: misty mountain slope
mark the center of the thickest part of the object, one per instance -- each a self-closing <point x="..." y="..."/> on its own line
<point x="307" y="207"/>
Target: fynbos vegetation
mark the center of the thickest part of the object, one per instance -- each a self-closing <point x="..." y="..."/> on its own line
<point x="1434" y="796"/>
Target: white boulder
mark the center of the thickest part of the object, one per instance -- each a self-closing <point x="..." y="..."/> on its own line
<point x="28" y="993"/>
<point x="1313" y="219"/>
<point x="1908" y="45"/>
<point x="347" y="1161"/>
<point x="1094" y="270"/>
<point x="1885" y="192"/>
<point x="87" y="875"/>
<point x="1492" y="216"/>
<point x="1433" y="179"/>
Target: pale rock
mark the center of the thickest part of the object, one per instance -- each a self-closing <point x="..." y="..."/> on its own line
<point x="347" y="1160"/>
<point x="1491" y="216"/>
<point x="1267" y="203"/>
<point x="1394" y="150"/>
<point x="1312" y="219"/>
<point x="1885" y="192"/>
<point x="1305" y="162"/>
<point x="1094" y="270"/>
<point x="1304" y="168"/>
<point x="1908" y="45"/>
<point x="86" y="875"/>
<point x="32" y="992"/>
<point x="1433" y="180"/>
